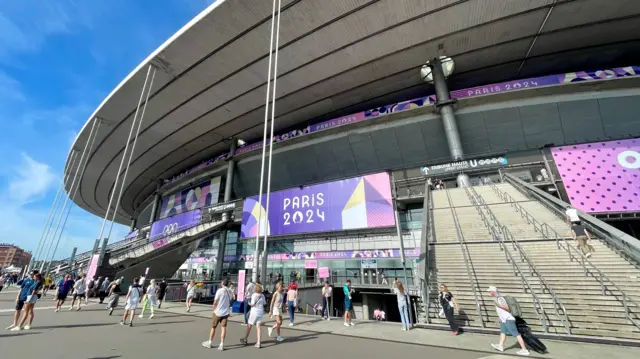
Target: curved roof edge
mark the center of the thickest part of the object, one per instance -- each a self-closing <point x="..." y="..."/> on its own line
<point x="140" y="66"/>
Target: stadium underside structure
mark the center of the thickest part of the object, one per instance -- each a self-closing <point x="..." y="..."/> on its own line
<point x="379" y="175"/>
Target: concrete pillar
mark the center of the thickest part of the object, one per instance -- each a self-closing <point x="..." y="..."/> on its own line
<point x="73" y="256"/>
<point x="445" y="105"/>
<point x="156" y="202"/>
<point x="365" y="307"/>
<point x="132" y="226"/>
<point x="228" y="188"/>
<point x="103" y="248"/>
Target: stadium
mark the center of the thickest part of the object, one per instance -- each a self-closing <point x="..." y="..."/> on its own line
<point x="430" y="141"/>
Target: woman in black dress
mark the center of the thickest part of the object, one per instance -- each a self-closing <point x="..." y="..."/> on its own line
<point x="448" y="304"/>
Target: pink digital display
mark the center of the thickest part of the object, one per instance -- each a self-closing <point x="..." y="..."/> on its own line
<point x="601" y="177"/>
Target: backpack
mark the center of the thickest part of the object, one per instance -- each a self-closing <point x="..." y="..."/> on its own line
<point x="514" y="306"/>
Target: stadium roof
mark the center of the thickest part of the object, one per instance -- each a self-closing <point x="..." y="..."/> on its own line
<point x="336" y="57"/>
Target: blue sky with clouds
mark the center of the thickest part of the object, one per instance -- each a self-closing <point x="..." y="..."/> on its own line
<point x="58" y="60"/>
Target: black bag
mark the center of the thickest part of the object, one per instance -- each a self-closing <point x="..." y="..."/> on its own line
<point x="529" y="339"/>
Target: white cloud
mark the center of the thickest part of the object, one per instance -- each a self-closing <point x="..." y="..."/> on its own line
<point x="31" y="182"/>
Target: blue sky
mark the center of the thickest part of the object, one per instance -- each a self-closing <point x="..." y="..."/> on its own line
<point x="58" y="60"/>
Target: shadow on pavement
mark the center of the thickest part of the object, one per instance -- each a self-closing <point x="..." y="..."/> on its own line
<point x="16" y="334"/>
<point x="109" y="357"/>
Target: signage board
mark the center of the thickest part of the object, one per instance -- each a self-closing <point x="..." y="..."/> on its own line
<point x="601" y="177"/>
<point x="466" y="165"/>
<point x="323" y="272"/>
<point x="369" y="263"/>
<point x="241" y="277"/>
<point x="311" y="264"/>
<point x="172" y="225"/>
<point x="354" y="203"/>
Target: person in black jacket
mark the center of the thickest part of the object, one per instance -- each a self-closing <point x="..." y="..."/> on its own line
<point x="162" y="291"/>
<point x="448" y="304"/>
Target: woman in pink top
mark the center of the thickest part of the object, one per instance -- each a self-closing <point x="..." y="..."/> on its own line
<point x="292" y="300"/>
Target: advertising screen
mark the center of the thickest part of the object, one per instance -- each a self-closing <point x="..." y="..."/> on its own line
<point x="171" y="225"/>
<point x="203" y="195"/>
<point x="359" y="202"/>
<point x="601" y="177"/>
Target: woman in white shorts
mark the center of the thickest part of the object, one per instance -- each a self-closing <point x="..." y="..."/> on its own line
<point x="191" y="293"/>
<point x="257" y="303"/>
<point x="276" y="309"/>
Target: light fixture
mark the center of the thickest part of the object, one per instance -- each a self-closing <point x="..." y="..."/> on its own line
<point x="426" y="72"/>
<point x="241" y="142"/>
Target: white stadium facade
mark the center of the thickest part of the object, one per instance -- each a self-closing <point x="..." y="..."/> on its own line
<point x="432" y="141"/>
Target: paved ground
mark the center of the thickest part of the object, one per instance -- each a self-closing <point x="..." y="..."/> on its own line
<point x="92" y="334"/>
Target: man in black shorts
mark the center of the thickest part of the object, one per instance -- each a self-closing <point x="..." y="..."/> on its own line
<point x="64" y="287"/>
<point x="162" y="290"/>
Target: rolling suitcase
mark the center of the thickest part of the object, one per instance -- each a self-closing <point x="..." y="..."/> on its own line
<point x="530" y="340"/>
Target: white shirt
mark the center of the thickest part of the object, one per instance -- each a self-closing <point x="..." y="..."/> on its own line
<point x="191" y="290"/>
<point x="503" y="314"/>
<point x="402" y="297"/>
<point x="249" y="291"/>
<point x="223" y="302"/>
<point x="134" y="294"/>
<point x="151" y="291"/>
<point x="257" y="304"/>
<point x="79" y="286"/>
<point x="326" y="291"/>
<point x="572" y="214"/>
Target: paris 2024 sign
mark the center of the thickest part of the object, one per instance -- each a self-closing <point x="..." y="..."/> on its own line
<point x="601" y="177"/>
<point x="354" y="203"/>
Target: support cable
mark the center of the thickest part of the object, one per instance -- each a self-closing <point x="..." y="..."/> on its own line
<point x="254" y="275"/>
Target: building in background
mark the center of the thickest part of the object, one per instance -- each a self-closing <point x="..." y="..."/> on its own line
<point x="13" y="255"/>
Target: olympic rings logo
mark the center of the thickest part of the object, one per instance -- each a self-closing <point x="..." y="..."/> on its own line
<point x="624" y="156"/>
<point x="170" y="229"/>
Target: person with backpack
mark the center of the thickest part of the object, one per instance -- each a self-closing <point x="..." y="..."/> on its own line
<point x="132" y="299"/>
<point x="508" y="310"/>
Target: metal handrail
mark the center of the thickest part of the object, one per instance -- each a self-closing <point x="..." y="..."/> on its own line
<point x="524" y="257"/>
<point x="428" y="215"/>
<point x="620" y="242"/>
<point x="561" y="242"/>
<point x="467" y="259"/>
<point x="494" y="228"/>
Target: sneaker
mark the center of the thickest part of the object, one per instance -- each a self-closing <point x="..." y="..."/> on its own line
<point x="279" y="339"/>
<point x="455" y="333"/>
<point x="77" y="309"/>
<point x="220" y="347"/>
<point x="404" y="329"/>
<point x="328" y="319"/>
<point x="351" y="324"/>
<point x="270" y="331"/>
<point x="498" y="347"/>
<point x="588" y="256"/>
<point x="291" y="324"/>
<point x="257" y="345"/>
<point x="151" y="316"/>
<point x="15" y="329"/>
<point x="346" y="325"/>
<point x="130" y="324"/>
<point x="243" y="341"/>
<point x="523" y="352"/>
<point x="70" y="308"/>
<point x="141" y="316"/>
<point x="57" y="310"/>
<point x="122" y="322"/>
<point x="207" y="344"/>
<point x="188" y="310"/>
<point x="10" y="327"/>
<point x="26" y="327"/>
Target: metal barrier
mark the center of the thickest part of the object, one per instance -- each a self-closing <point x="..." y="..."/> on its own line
<point x="473" y="279"/>
<point x="427" y="227"/>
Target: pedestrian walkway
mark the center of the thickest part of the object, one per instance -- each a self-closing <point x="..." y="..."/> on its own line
<point x="390" y="332"/>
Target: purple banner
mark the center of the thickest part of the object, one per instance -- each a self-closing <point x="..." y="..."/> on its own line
<point x="359" y="202"/>
<point x="131" y="235"/>
<point x="171" y="225"/>
<point x="202" y="195"/>
<point x="515" y="85"/>
<point x="601" y="177"/>
<point x="372" y="253"/>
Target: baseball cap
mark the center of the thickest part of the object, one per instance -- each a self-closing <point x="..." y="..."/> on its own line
<point x="492" y="289"/>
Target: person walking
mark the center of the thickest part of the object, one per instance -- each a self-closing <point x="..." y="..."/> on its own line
<point x="292" y="301"/>
<point x="248" y="292"/>
<point x="65" y="285"/>
<point x="149" y="299"/>
<point x="447" y="304"/>
<point x="104" y="289"/>
<point x="114" y="295"/>
<point x="326" y="299"/>
<point x="221" y="311"/>
<point x="275" y="309"/>
<point x="3" y="280"/>
<point x="257" y="304"/>
<point x="91" y="285"/>
<point x="401" y="297"/>
<point x="30" y="303"/>
<point x="191" y="293"/>
<point x="582" y="237"/>
<point x="79" y="290"/>
<point x="162" y="291"/>
<point x="507" y="322"/>
<point x="47" y="284"/>
<point x="133" y="297"/>
<point x="572" y="216"/>
<point x="26" y="286"/>
<point x="348" y="305"/>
